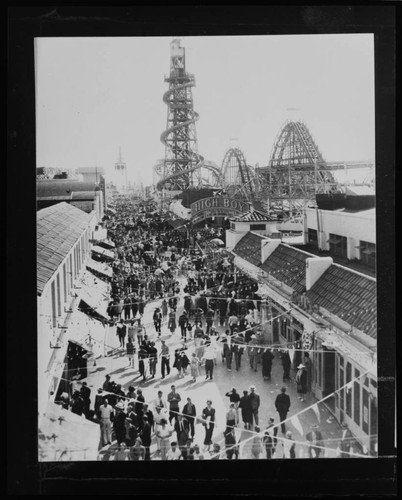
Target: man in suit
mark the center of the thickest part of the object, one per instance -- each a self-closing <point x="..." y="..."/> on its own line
<point x="189" y="413"/>
<point x="145" y="435"/>
<point x="269" y="439"/>
<point x="254" y="403"/>
<point x="315" y="439"/>
<point x="181" y="428"/>
<point x="282" y="405"/>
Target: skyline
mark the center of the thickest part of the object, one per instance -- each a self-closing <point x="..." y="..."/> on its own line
<point x="94" y="95"/>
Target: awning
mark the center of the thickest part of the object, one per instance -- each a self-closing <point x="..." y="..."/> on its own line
<point x="368" y="251"/>
<point x="334" y="241"/>
<point x="176" y="223"/>
<point x="111" y="210"/>
<point x="103" y="253"/>
<point x="99" y="269"/>
<point x="65" y="436"/>
<point x="87" y="333"/>
<point x="100" y="234"/>
<point x="94" y="295"/>
<point x="106" y="244"/>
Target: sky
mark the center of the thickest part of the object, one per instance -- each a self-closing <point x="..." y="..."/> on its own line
<point x="94" y="95"/>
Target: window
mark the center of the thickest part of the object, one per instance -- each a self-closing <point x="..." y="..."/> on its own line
<point x="257" y="227"/>
<point x="58" y="295"/>
<point x="65" y="282"/>
<point x="338" y="245"/>
<point x="336" y="381"/>
<point x="368" y="253"/>
<point x="53" y="294"/>
<point x="348" y="390"/>
<point x="342" y="391"/>
<point x="312" y="237"/>
<point x="232" y="226"/>
<point x="356" y="398"/>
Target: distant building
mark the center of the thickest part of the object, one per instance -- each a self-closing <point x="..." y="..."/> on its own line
<point x="120" y="175"/>
<point x="95" y="175"/>
<point x="87" y="196"/>
<point x="343" y="226"/>
<point x="54" y="173"/>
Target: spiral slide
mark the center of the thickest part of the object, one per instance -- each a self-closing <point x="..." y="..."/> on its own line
<point x="200" y="159"/>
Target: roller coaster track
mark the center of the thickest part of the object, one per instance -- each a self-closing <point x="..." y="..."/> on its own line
<point x="201" y="163"/>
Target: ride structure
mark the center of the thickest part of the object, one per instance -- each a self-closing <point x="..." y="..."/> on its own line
<point x="183" y="167"/>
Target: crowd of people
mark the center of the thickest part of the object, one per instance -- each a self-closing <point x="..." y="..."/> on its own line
<point x="180" y="269"/>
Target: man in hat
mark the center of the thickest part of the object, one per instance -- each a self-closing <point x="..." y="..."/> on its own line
<point x="165" y="359"/>
<point x="253" y="352"/>
<point x="254" y="399"/>
<point x="314" y="437"/>
<point x="183" y="323"/>
<point x="119" y="426"/>
<point x="98" y="402"/>
<point x="106" y="415"/>
<point x="346" y="441"/>
<point x="282" y="405"/>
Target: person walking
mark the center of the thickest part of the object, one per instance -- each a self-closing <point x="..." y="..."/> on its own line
<point x="173" y="399"/>
<point x="209" y="358"/>
<point x="189" y="412"/>
<point x="130" y="352"/>
<point x="238" y="349"/>
<point x="254" y="403"/>
<point x="267" y="358"/>
<point x="181" y="427"/>
<point x="145" y="435"/>
<point x="153" y="359"/>
<point x="106" y="415"/>
<point x="256" y="444"/>
<point x="286" y="362"/>
<point x="118" y="422"/>
<point x="121" y="333"/>
<point x="164" y="308"/>
<point x="301" y="381"/>
<point x="183" y="323"/>
<point x="164" y="432"/>
<point x="246" y="411"/>
<point x="86" y="398"/>
<point x="289" y="446"/>
<point x="137" y="451"/>
<point x="231" y="416"/>
<point x="194" y="367"/>
<point x="165" y="367"/>
<point x="208" y="421"/>
<point x="227" y="354"/>
<point x="131" y="331"/>
<point x="315" y="440"/>
<point x="157" y="318"/>
<point x="282" y="405"/>
<point x="269" y="438"/>
<point x="172" y="321"/>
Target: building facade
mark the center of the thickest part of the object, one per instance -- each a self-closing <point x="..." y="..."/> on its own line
<point x="63" y="247"/>
<point x="316" y="306"/>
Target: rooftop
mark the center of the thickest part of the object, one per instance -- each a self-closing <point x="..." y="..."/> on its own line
<point x="354" y="265"/>
<point x="288" y="265"/>
<point x="249" y="248"/>
<point x="253" y="216"/>
<point x="57" y="229"/>
<point x="62" y="187"/>
<point x="348" y="295"/>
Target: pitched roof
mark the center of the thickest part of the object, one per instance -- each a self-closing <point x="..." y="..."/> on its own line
<point x="249" y="248"/>
<point x="253" y="216"/>
<point x="288" y="265"/>
<point x="57" y="229"/>
<point x="349" y="295"/>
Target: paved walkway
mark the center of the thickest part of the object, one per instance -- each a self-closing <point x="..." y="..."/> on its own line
<point x="116" y="365"/>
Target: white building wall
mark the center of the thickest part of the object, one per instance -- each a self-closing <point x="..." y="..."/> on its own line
<point x="356" y="227"/>
<point x="50" y="359"/>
